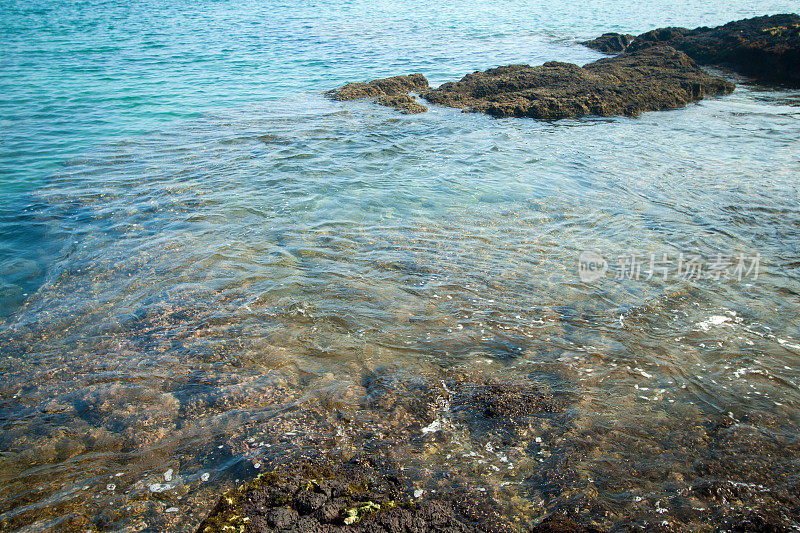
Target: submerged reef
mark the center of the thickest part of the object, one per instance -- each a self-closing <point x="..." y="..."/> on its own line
<point x="766" y="48"/>
<point x="316" y="494"/>
<point x="372" y="490"/>
<point x="471" y="453"/>
<point x="364" y="494"/>
<point x="627" y="85"/>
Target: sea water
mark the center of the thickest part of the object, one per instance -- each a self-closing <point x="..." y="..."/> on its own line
<point x="195" y="243"/>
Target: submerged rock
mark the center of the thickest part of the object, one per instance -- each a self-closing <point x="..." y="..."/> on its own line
<point x="649" y="80"/>
<point x="507" y="400"/>
<point x="367" y="493"/>
<point x="315" y="494"/>
<point x="610" y="43"/>
<point x="765" y="48"/>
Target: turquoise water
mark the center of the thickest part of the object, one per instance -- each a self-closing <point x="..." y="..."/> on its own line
<point x="200" y="255"/>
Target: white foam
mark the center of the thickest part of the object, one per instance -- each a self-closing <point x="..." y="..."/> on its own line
<point x="716" y="320"/>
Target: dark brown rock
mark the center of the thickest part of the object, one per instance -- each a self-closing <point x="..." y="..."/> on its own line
<point x="759" y="524"/>
<point x="610" y="43"/>
<point x="396" y="85"/>
<point x="403" y="103"/>
<point x="507" y="400"/>
<point x="308" y="501"/>
<point x="648" y="80"/>
<point x="363" y="495"/>
<point x="765" y="48"/>
<point x="281" y="517"/>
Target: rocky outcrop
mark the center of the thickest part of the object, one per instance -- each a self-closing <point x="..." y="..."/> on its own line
<point x="764" y="48"/>
<point x="610" y="43"/>
<point x="391" y="92"/>
<point x="648" y="80"/>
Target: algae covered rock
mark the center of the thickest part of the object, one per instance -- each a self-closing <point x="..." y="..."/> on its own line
<point x="629" y="84"/>
<point x="390" y="92"/>
<point x="610" y="43"/>
<point x="316" y="494"/>
<point x="396" y="85"/>
<point x="765" y="48"/>
<point x="507" y="400"/>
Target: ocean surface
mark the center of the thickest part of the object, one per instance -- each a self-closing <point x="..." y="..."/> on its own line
<point x="205" y="262"/>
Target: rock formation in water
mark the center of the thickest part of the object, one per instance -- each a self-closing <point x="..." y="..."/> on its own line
<point x="391" y="92"/>
<point x="764" y="48"/>
<point x="322" y="490"/>
<point x="649" y="80"/>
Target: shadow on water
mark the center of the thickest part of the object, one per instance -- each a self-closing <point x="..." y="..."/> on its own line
<point x="30" y="242"/>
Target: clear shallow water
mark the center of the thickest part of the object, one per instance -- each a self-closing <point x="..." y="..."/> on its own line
<point x="201" y="254"/>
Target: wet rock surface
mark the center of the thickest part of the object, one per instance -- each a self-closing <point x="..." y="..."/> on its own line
<point x="765" y="48"/>
<point x="395" y="85"/>
<point x="610" y="43"/>
<point x="649" y="80"/>
<point x="310" y="493"/>
<point x="389" y="92"/>
<point x="315" y="494"/>
<point x="509" y="400"/>
<point x="372" y="485"/>
<point x="560" y="524"/>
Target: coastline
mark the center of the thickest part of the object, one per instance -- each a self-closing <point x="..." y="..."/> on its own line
<point x="571" y="309"/>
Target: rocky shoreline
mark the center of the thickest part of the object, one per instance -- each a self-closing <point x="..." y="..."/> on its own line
<point x="655" y="71"/>
<point x="391" y="92"/>
<point x="626" y="85"/>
